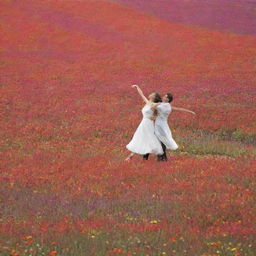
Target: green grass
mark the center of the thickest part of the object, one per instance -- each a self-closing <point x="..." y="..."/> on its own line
<point x="103" y="243"/>
<point x="212" y="144"/>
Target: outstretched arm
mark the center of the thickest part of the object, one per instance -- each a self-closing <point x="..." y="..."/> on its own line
<point x="184" y="110"/>
<point x="140" y="92"/>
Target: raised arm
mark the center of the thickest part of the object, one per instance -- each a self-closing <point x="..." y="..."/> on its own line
<point x="184" y="110"/>
<point x="140" y="93"/>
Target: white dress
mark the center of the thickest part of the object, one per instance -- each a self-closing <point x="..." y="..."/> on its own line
<point x="144" y="140"/>
<point x="162" y="129"/>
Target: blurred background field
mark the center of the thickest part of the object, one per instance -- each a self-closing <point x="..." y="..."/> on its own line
<point x="67" y="112"/>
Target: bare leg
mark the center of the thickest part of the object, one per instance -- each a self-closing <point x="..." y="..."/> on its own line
<point x="128" y="158"/>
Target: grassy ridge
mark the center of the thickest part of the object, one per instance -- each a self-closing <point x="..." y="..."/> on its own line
<point x="68" y="111"/>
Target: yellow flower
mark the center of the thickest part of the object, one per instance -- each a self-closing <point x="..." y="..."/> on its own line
<point x="233" y="249"/>
<point x="28" y="237"/>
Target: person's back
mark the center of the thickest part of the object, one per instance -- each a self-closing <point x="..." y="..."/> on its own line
<point x="163" y="112"/>
<point x="162" y="130"/>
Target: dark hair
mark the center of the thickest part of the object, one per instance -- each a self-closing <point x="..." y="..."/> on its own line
<point x="169" y="97"/>
<point x="157" y="98"/>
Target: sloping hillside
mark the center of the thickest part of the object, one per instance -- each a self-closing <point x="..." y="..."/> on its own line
<point x="68" y="110"/>
<point x="96" y="44"/>
<point x="236" y="16"/>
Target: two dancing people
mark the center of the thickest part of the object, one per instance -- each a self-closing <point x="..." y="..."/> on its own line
<point x="153" y="135"/>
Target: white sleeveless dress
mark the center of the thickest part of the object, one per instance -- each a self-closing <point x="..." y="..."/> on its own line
<point x="144" y="140"/>
<point x="162" y="129"/>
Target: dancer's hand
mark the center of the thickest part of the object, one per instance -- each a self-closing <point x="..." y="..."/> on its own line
<point x="140" y="93"/>
<point x="153" y="118"/>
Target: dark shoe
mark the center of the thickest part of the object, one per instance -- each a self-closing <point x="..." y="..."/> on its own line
<point x="160" y="158"/>
<point x="165" y="157"/>
<point x="145" y="157"/>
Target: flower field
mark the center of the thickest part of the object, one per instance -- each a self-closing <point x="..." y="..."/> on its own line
<point x="67" y="112"/>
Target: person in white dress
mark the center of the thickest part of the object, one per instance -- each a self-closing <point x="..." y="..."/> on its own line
<point x="144" y="140"/>
<point x="162" y="129"/>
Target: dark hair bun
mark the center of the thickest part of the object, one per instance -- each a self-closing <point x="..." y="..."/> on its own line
<point x="157" y="98"/>
<point x="169" y="96"/>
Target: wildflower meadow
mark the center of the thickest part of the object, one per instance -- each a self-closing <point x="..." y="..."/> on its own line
<point x="68" y="111"/>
